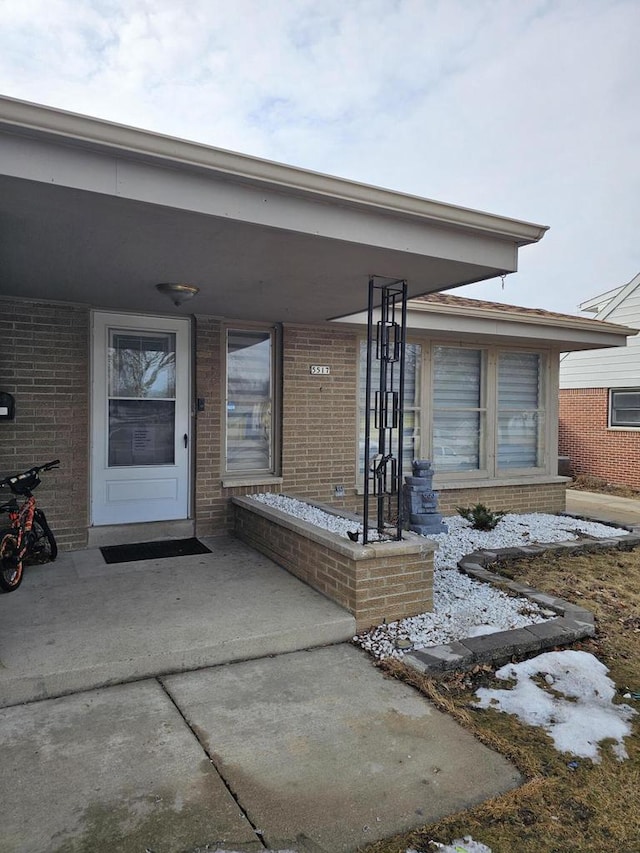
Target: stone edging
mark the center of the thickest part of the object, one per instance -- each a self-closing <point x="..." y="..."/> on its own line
<point x="572" y="622"/>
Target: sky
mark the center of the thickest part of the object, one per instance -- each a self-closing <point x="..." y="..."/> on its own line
<point x="523" y="108"/>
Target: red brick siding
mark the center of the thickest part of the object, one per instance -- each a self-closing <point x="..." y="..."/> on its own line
<point x="613" y="455"/>
<point x="44" y="364"/>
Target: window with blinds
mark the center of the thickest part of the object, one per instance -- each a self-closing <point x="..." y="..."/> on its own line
<point x="484" y="412"/>
<point x="411" y="431"/>
<point x="458" y="408"/>
<point x="520" y="410"/>
<point x="624" y="409"/>
<point x="249" y="401"/>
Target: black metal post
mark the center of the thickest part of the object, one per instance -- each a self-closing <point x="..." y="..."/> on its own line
<point x="383" y="472"/>
<point x="367" y="422"/>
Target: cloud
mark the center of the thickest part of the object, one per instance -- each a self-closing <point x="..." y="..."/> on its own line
<point x="524" y="109"/>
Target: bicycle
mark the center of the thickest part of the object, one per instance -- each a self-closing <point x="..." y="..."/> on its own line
<point x="29" y="535"/>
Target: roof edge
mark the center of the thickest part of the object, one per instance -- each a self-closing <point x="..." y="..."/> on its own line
<point x="601" y="299"/>
<point x="585" y="323"/>
<point x="27" y="117"/>
<point x="619" y="297"/>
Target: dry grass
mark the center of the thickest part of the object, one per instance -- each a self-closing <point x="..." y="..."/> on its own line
<point x="589" y="483"/>
<point x="592" y="809"/>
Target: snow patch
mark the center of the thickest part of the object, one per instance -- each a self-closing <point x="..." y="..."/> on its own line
<point x="460" y="845"/>
<point x="577" y="723"/>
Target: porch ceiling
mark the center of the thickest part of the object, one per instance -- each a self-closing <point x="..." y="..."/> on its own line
<point x="96" y="213"/>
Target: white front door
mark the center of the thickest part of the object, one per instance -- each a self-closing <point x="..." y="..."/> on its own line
<point x="140" y="419"/>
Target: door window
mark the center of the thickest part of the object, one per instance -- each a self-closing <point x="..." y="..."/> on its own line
<point x="141" y="392"/>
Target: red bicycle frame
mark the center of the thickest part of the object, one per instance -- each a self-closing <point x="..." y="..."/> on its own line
<point x="21" y="520"/>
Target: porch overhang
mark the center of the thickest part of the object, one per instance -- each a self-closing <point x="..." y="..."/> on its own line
<point x="98" y="213"/>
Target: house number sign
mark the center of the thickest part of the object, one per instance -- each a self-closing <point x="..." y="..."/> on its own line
<point x="319" y="370"/>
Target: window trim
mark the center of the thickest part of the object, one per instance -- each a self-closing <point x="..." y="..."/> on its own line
<point x="620" y="427"/>
<point x="256" y="476"/>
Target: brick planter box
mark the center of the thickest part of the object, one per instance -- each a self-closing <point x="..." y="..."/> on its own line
<point x="378" y="582"/>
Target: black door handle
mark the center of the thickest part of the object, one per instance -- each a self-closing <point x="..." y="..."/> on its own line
<point x="186" y="439"/>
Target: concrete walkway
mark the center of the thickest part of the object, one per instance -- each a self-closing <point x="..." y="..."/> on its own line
<point x="604" y="507"/>
<point x="314" y="752"/>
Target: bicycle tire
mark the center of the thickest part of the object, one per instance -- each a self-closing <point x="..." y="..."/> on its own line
<point x="43" y="543"/>
<point x="11" y="567"/>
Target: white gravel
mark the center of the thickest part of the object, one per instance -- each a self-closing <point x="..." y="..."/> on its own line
<point x="305" y="512"/>
<point x="462" y="607"/>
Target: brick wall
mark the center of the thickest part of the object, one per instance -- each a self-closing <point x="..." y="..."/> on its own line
<point x="318" y="421"/>
<point x="319" y="414"/>
<point x="319" y="430"/>
<point x="44" y="364"/>
<point x="612" y="454"/>
<point x="210" y="509"/>
<point x="376" y="583"/>
<point x="534" y="497"/>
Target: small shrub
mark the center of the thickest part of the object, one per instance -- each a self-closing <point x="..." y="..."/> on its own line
<point x="480" y="516"/>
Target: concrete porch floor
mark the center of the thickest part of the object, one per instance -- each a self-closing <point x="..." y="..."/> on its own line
<point x="209" y="731"/>
<point x="79" y="623"/>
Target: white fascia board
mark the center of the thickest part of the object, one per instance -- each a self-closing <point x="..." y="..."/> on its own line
<point x="24" y="118"/>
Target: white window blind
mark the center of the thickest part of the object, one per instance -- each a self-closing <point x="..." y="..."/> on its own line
<point x="459" y="413"/>
<point x="520" y="412"/>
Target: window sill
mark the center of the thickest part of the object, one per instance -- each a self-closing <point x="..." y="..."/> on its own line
<point x="476" y="483"/>
<point x="515" y="480"/>
<point x="251" y="480"/>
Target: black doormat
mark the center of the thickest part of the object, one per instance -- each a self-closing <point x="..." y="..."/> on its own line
<point x="153" y="550"/>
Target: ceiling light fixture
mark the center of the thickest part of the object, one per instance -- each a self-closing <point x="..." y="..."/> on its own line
<point x="177" y="293"/>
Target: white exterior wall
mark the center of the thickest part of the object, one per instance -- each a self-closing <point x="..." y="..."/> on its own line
<point x="618" y="367"/>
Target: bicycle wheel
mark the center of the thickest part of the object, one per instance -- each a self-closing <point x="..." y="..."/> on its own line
<point x="10" y="563"/>
<point x="43" y="546"/>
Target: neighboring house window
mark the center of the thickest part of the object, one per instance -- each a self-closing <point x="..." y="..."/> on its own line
<point x="249" y="429"/>
<point x="520" y="410"/>
<point x="624" y="408"/>
<point x="458" y="409"/>
<point x="411" y="431"/>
